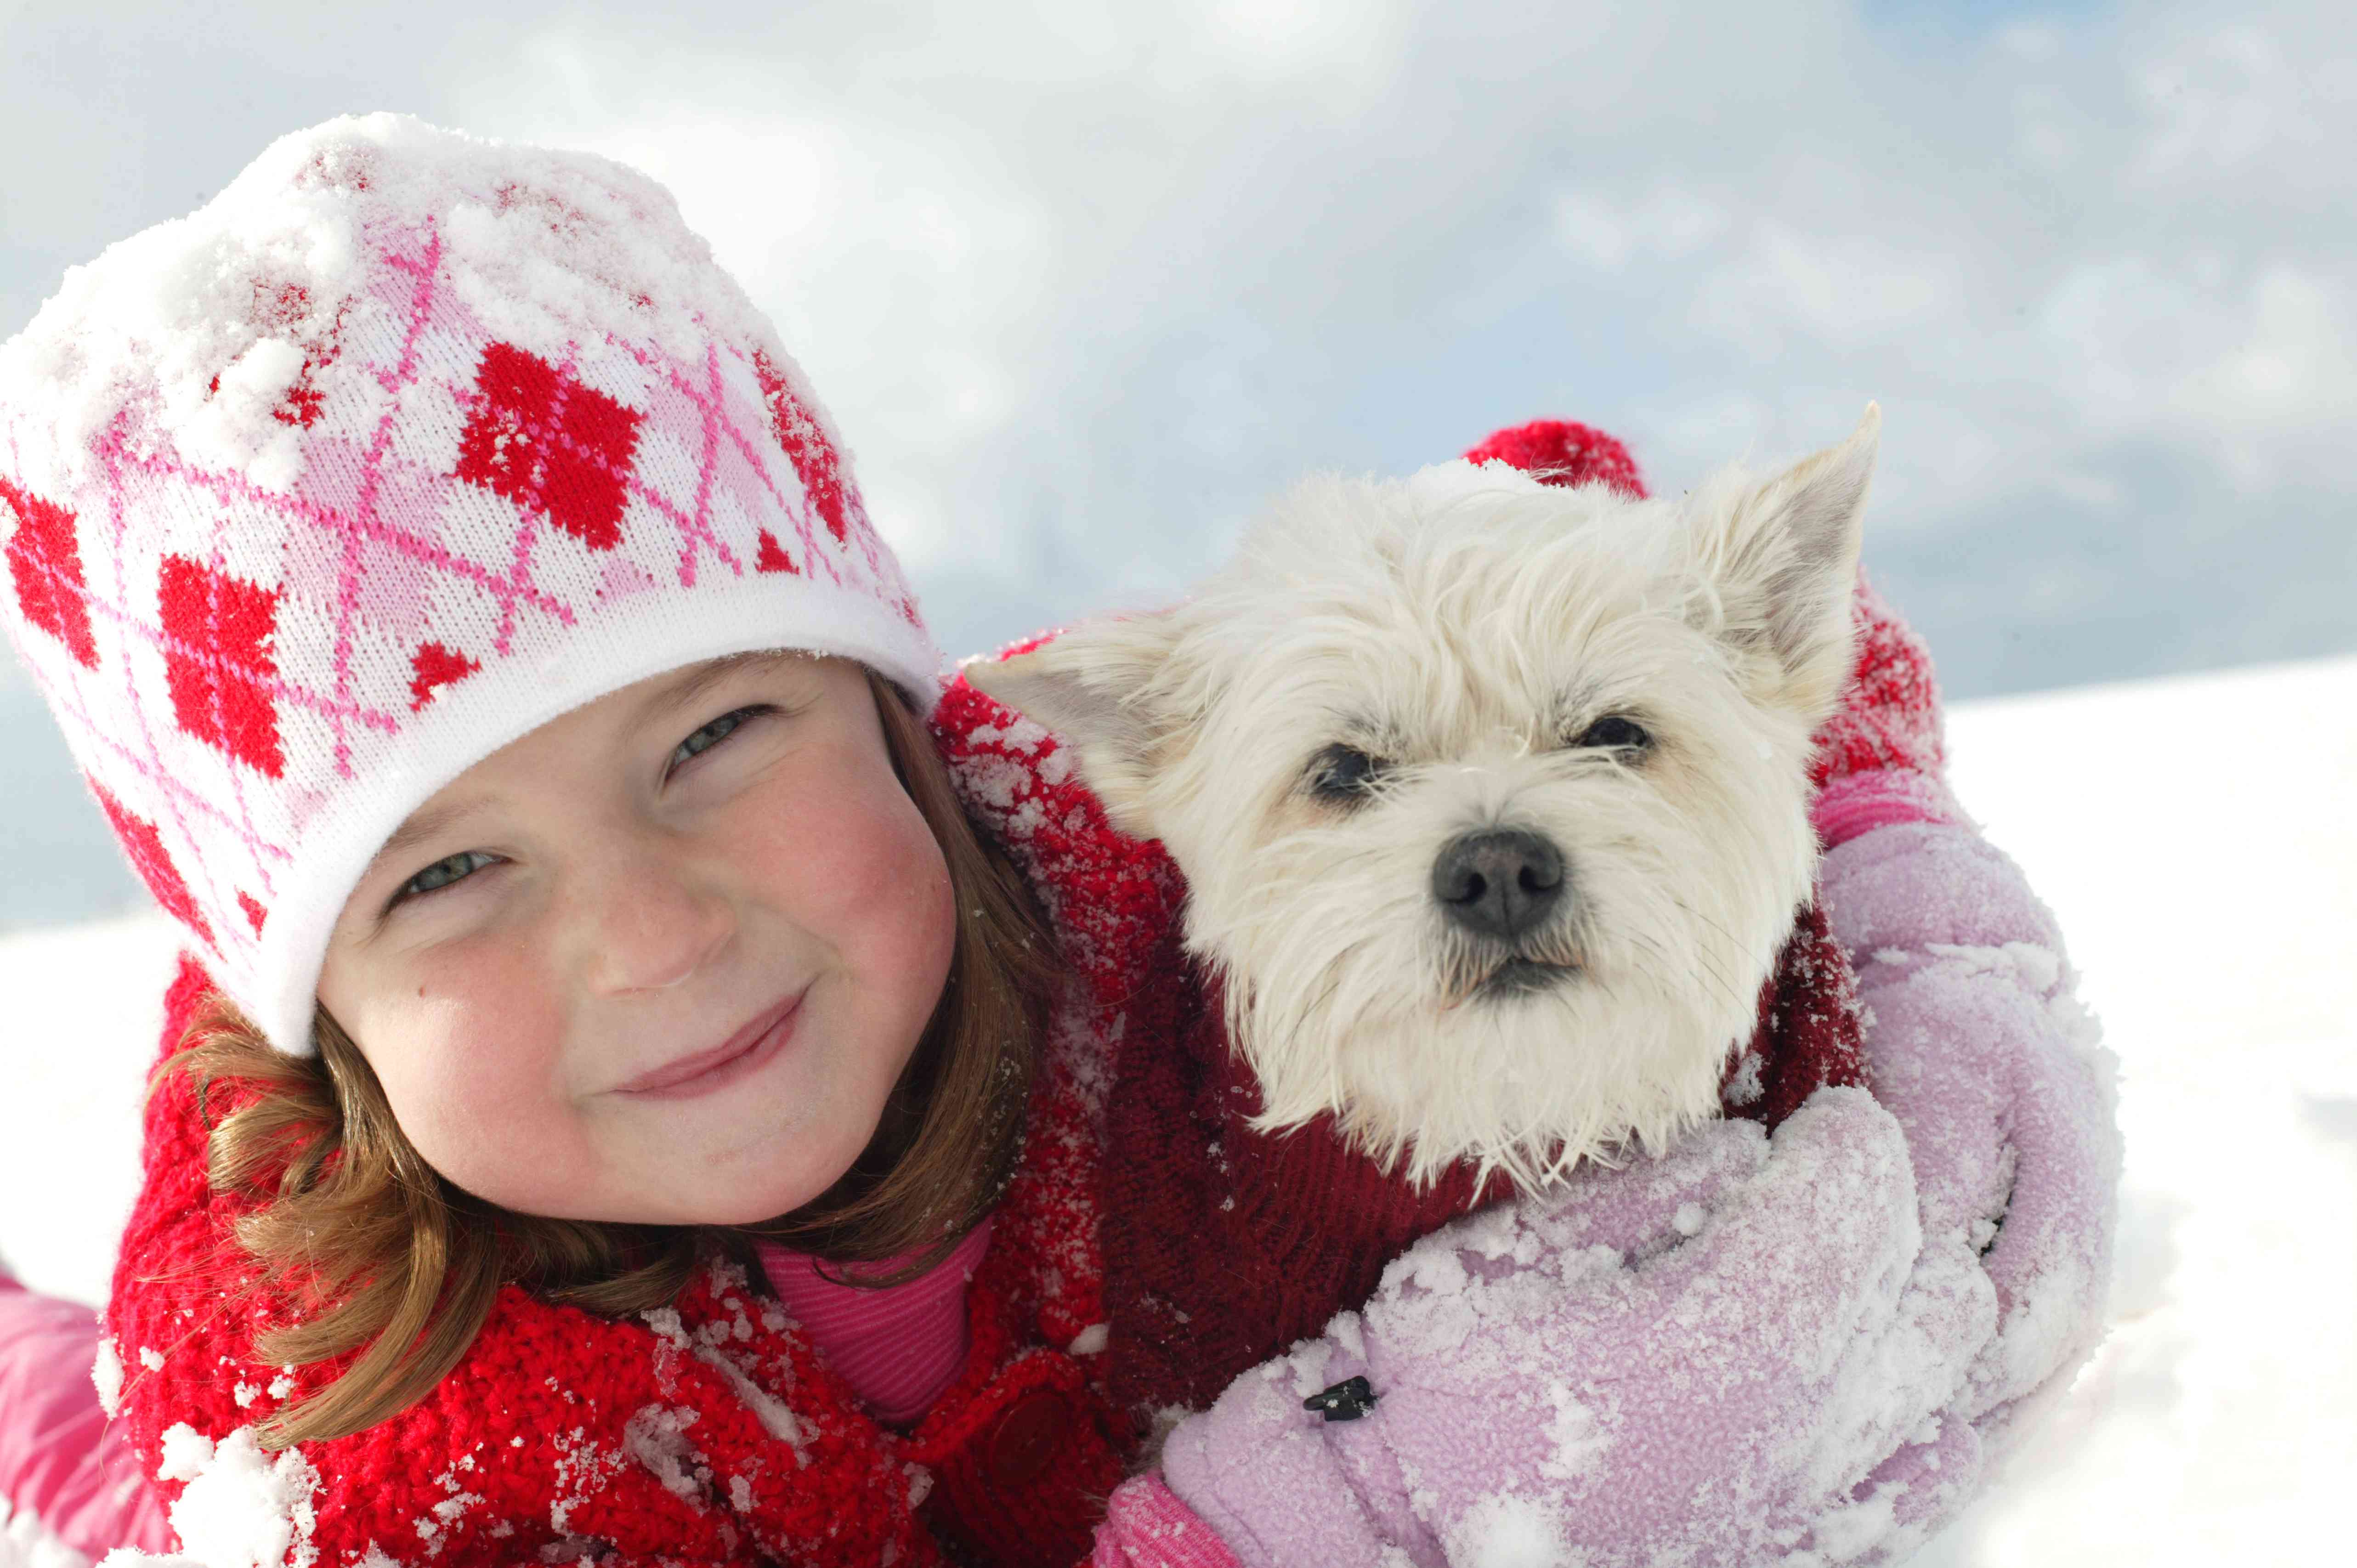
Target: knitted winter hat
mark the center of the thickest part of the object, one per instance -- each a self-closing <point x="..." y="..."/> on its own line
<point x="404" y="444"/>
<point x="1564" y="452"/>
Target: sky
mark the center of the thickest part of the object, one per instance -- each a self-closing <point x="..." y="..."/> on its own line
<point x="1084" y="286"/>
<point x="2211" y="1426"/>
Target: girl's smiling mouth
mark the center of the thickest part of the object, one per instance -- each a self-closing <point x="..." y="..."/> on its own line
<point x="742" y="1054"/>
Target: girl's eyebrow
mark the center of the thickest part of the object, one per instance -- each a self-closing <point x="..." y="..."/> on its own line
<point x="703" y="676"/>
<point x="421" y="826"/>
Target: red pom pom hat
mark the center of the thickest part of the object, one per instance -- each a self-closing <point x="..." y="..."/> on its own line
<point x="404" y="444"/>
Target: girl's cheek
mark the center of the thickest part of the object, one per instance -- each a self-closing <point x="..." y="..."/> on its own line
<point x="842" y="846"/>
<point x="896" y="883"/>
<point x="467" y="1060"/>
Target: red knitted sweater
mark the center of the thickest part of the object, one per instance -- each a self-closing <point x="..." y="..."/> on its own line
<point x="712" y="1433"/>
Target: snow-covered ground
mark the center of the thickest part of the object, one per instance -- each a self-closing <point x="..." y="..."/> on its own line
<point x="2196" y="837"/>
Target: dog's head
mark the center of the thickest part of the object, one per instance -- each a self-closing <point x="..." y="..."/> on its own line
<point x="1491" y="797"/>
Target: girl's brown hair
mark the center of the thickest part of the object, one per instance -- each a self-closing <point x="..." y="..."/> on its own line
<point x="386" y="1258"/>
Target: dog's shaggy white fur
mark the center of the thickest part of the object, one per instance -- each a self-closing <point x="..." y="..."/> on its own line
<point x="1350" y="737"/>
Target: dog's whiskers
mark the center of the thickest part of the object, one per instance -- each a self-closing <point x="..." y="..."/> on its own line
<point x="1725" y="984"/>
<point x="1705" y="918"/>
<point x="1713" y="975"/>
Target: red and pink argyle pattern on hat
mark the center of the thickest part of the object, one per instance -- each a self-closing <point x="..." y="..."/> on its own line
<point x="475" y="516"/>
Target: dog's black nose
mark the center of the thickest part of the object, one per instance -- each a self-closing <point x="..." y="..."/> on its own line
<point x="1501" y="883"/>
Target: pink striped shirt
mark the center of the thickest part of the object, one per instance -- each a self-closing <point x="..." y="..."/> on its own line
<point x="899" y="1348"/>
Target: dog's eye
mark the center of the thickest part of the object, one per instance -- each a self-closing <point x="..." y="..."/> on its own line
<point x="1341" y="773"/>
<point x="1615" y="732"/>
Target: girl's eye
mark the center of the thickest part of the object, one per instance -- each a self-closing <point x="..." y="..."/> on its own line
<point x="1342" y="774"/>
<point x="444" y="872"/>
<point x="1616" y="733"/>
<point x="710" y="735"/>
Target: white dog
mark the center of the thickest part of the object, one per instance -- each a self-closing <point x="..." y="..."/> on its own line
<point x="1490" y="796"/>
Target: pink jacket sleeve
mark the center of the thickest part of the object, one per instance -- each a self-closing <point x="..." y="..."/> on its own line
<point x="66" y="1477"/>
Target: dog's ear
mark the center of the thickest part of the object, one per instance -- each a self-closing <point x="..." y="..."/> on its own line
<point x="1784" y="558"/>
<point x="1091" y="685"/>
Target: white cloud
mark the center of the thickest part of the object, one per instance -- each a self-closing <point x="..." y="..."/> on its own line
<point x="1343" y="49"/>
<point x="2221" y="100"/>
<point x="2035" y="41"/>
<point x="1668" y="223"/>
<point x="2283" y="397"/>
<point x="1840" y="290"/>
<point x="2293" y="366"/>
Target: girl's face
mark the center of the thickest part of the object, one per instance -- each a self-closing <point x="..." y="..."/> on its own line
<point x="662" y="959"/>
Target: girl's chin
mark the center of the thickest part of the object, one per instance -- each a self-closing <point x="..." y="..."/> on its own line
<point x="669" y="1201"/>
<point x="743" y="1173"/>
<point x="745" y="1184"/>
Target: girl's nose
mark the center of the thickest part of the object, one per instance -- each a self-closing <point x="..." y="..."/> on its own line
<point x="651" y="921"/>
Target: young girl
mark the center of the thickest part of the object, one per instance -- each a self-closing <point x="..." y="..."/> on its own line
<point x="634" y="1088"/>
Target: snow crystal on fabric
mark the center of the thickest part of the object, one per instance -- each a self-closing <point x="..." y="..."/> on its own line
<point x="1506" y="1531"/>
<point x="776" y="1419"/>
<point x="106" y="1373"/>
<point x="657" y="1437"/>
<point x="242" y="1508"/>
